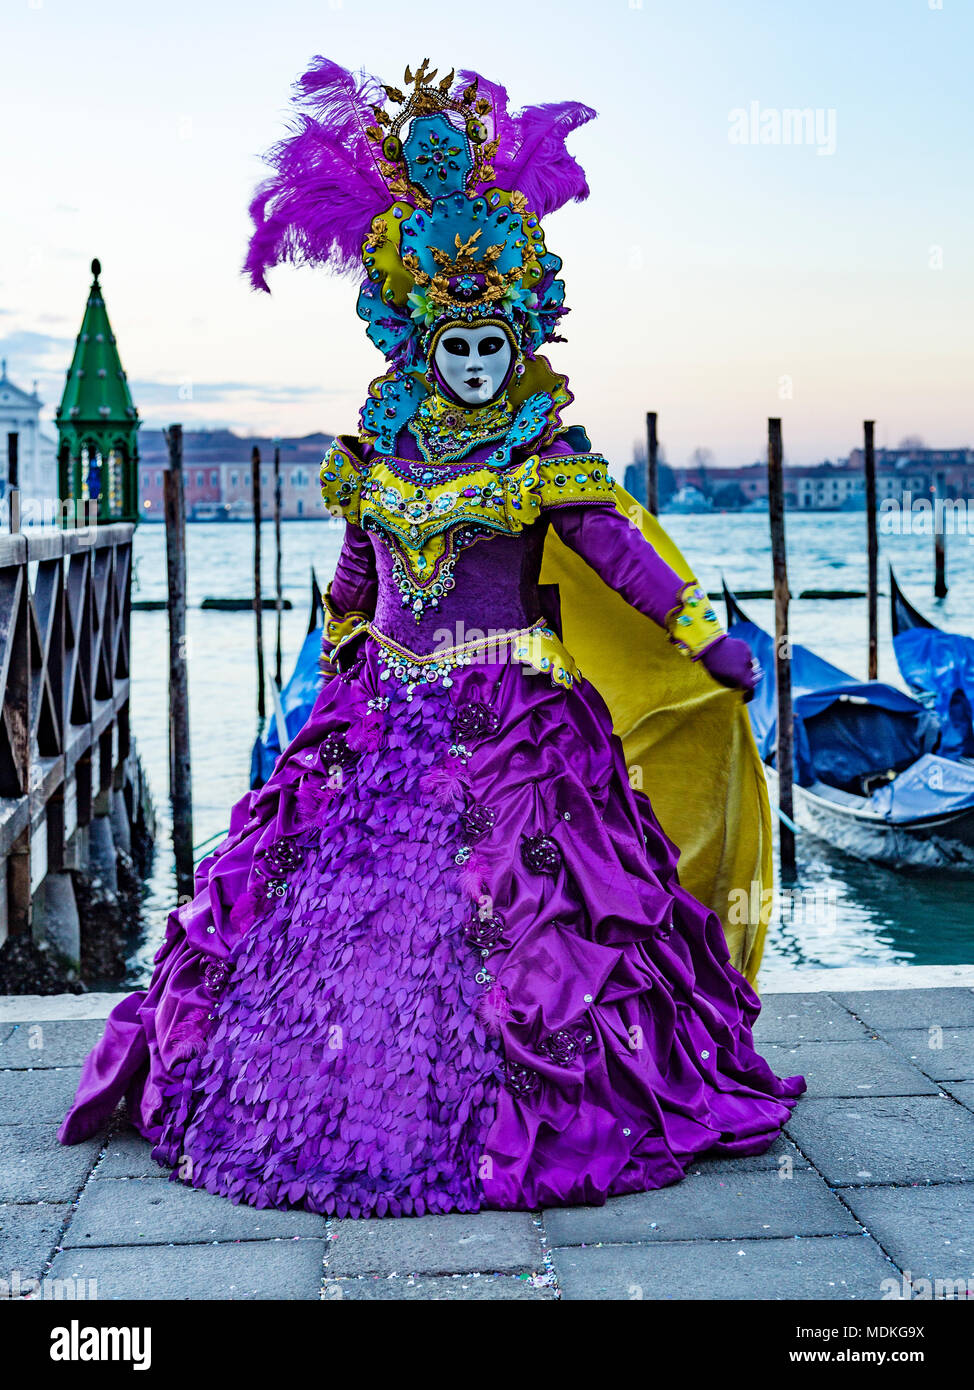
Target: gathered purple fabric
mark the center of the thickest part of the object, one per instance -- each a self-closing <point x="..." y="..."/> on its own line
<point x="443" y="960"/>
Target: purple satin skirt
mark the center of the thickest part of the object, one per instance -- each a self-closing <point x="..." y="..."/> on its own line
<point x="441" y="962"/>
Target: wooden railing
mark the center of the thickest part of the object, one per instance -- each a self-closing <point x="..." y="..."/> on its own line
<point x="65" y="607"/>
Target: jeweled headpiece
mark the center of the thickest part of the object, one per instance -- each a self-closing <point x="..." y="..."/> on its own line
<point x="461" y="240"/>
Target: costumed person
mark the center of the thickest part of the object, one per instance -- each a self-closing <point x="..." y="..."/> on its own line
<point x="444" y="959"/>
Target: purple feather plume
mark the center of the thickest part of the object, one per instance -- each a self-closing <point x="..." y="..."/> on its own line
<point x="326" y="188"/>
<point x="502" y="124"/>
<point x="539" y="163"/>
<point x="532" y="156"/>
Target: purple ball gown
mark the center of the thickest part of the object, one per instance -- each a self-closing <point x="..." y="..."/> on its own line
<point x="443" y="960"/>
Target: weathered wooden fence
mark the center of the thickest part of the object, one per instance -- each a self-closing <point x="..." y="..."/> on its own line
<point x="71" y="788"/>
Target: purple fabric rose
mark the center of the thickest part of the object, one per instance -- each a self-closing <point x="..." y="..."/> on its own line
<point x="484" y="932"/>
<point x="540" y="854"/>
<point x="561" y="1048"/>
<point x="283" y="857"/>
<point x="474" y="719"/>
<point x="520" y="1081"/>
<point x="333" y="749"/>
<point x="215" y="975"/>
<point x="476" y="823"/>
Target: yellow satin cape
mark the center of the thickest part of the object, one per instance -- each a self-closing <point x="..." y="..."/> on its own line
<point x="687" y="740"/>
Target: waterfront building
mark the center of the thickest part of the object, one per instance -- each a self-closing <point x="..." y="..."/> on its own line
<point x="22" y="441"/>
<point x="217" y="475"/>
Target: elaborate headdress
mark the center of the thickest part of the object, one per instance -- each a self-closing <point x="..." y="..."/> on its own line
<point x="461" y="239"/>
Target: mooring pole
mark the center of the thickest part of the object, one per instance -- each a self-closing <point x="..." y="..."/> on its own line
<point x="278" y="589"/>
<point x="180" y="770"/>
<point x="939" y="543"/>
<point x="652" y="464"/>
<point x="258" y="603"/>
<point x="872" y="549"/>
<point x="784" y="753"/>
<point x="13" y="480"/>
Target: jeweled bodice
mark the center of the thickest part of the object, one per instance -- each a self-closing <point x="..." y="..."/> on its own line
<point x="426" y="517"/>
<point x="494" y="588"/>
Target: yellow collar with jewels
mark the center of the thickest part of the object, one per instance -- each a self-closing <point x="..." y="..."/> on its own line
<point x="375" y="495"/>
<point x="445" y="431"/>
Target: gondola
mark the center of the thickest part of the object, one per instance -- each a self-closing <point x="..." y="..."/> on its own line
<point x="938" y="667"/>
<point x="868" y="776"/>
<point x="293" y="702"/>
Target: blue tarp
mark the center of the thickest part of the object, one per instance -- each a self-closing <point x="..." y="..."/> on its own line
<point x="932" y="786"/>
<point x="939" y="666"/>
<point x="297" y="698"/>
<point x="845" y="730"/>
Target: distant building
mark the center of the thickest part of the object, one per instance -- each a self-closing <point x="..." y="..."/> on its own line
<point x="36" y="451"/>
<point x="821" y="487"/>
<point x="217" y="475"/>
<point x="920" y="472"/>
<point x="835" y="486"/>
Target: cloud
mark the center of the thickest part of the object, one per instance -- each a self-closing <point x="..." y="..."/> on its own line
<point x="24" y="347"/>
<point x="43" y="357"/>
<point x="189" y="391"/>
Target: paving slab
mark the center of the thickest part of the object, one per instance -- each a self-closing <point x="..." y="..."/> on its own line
<point x="490" y="1241"/>
<point x="45" y="1044"/>
<point x="28" y="1235"/>
<point x="155" y="1211"/>
<point x="962" y="1091"/>
<point x="129" y="1156"/>
<point x="466" y="1288"/>
<point x="35" y="1167"/>
<point x="867" y="1068"/>
<point x="253" y="1269"/>
<point x="709" y="1207"/>
<point x="781" y="1156"/>
<point x="832" y="1267"/>
<point x="926" y="1230"/>
<point x="946" y="1054"/>
<point x="29" y="1097"/>
<point x="805" y="1017"/>
<point x="910" y="1008"/>
<point x="894" y="1140"/>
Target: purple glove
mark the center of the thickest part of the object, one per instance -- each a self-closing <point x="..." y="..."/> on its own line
<point x="730" y="662"/>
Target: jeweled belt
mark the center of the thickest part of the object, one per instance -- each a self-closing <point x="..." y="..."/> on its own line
<point x="537" y="646"/>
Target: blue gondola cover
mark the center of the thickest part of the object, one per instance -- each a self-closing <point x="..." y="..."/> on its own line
<point x="939" y="667"/>
<point x="845" y="730"/>
<point x="933" y="786"/>
<point x="297" y="698"/>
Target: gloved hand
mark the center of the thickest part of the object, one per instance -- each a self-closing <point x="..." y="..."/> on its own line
<point x="730" y="662"/>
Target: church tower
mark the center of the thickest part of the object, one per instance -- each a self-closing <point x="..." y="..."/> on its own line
<point x="98" y="452"/>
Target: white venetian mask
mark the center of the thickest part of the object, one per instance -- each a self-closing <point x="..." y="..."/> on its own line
<point x="473" y="362"/>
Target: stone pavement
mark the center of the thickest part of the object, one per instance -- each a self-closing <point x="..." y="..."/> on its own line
<point x="874" y="1179"/>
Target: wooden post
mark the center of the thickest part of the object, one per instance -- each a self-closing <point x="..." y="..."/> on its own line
<point x="939" y="543"/>
<point x="180" y="775"/>
<point x="13" y="481"/>
<point x="13" y="459"/>
<point x="872" y="550"/>
<point x="258" y="603"/>
<point x="278" y="588"/>
<point x="782" y="648"/>
<point x="17" y="715"/>
<point x="652" y="464"/>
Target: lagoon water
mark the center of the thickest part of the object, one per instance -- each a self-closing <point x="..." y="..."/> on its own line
<point x="836" y="912"/>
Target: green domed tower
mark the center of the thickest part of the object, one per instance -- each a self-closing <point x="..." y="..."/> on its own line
<point x="98" y="451"/>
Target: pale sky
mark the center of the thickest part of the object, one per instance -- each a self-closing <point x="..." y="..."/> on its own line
<point x="702" y="272"/>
